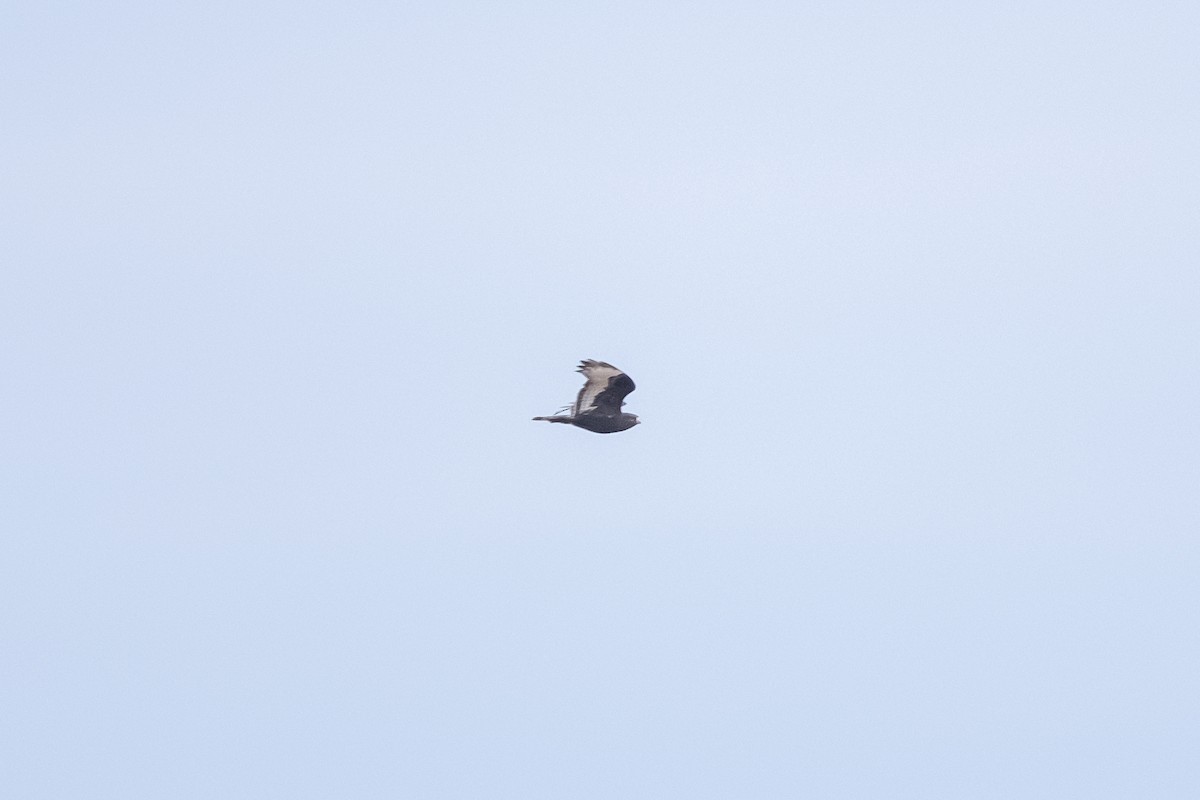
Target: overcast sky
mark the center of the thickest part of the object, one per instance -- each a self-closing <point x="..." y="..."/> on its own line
<point x="910" y="293"/>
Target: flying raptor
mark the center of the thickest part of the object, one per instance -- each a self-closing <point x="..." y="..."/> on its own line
<point x="598" y="406"/>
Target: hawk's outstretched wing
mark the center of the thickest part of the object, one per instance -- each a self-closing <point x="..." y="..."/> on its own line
<point x="604" y="392"/>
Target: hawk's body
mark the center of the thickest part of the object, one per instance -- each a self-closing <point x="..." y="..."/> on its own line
<point x="598" y="406"/>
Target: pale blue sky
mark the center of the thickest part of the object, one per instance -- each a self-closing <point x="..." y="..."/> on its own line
<point x="910" y="294"/>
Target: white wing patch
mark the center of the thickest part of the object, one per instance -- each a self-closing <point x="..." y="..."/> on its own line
<point x="598" y="374"/>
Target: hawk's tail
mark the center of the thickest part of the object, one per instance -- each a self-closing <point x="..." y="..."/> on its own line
<point x="566" y="420"/>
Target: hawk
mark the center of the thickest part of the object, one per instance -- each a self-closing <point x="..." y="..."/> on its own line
<point x="598" y="406"/>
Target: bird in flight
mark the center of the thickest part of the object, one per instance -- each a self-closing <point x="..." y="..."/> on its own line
<point x="598" y="406"/>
